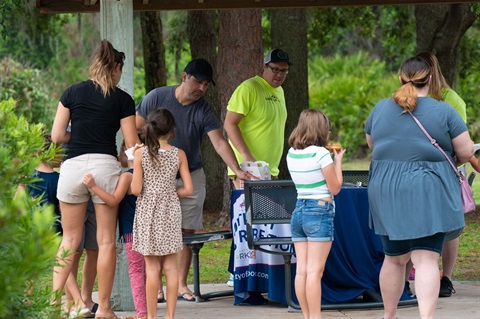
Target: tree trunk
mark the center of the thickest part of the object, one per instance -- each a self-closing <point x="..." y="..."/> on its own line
<point x="289" y="33"/>
<point x="203" y="44"/>
<point x="153" y="50"/>
<point x="240" y="57"/>
<point x="439" y="30"/>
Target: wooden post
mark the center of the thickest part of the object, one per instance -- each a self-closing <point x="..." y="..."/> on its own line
<point x="116" y="25"/>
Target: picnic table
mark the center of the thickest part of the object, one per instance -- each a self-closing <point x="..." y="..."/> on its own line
<point x="351" y="276"/>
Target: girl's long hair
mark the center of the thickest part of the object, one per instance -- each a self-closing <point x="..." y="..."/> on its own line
<point x="438" y="81"/>
<point x="104" y="60"/>
<point x="414" y="73"/>
<point x="312" y="129"/>
<point x="159" y="123"/>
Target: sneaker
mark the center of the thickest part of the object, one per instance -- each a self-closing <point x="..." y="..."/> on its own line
<point x="446" y="287"/>
<point x="230" y="281"/>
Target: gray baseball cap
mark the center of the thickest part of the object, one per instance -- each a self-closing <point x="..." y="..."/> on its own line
<point x="277" y="55"/>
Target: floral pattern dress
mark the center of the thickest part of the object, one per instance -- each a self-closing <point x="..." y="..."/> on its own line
<point x="157" y="228"/>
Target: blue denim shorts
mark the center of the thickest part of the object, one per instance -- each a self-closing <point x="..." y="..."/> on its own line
<point x="312" y="220"/>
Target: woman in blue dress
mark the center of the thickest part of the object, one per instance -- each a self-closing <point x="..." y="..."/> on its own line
<point x="410" y="179"/>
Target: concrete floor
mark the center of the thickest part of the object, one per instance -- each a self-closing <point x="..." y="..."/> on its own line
<point x="465" y="304"/>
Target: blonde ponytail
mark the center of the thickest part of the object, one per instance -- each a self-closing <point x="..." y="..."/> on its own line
<point x="104" y="61"/>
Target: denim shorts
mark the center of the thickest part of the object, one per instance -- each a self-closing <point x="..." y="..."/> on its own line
<point x="312" y="220"/>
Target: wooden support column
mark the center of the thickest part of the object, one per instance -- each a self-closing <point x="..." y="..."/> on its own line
<point x="116" y="25"/>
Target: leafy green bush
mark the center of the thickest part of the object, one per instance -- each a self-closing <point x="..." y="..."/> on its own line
<point x="30" y="88"/>
<point x="469" y="77"/>
<point x="468" y="90"/>
<point x="27" y="240"/>
<point x="346" y="89"/>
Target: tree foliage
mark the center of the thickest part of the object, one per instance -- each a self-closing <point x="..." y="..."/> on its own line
<point x="27" y="240"/>
<point x="28" y="34"/>
<point x="30" y="88"/>
<point x="385" y="32"/>
<point x="440" y="29"/>
<point x="469" y="77"/>
<point x="346" y="89"/>
<point x="59" y="46"/>
<point x="177" y="41"/>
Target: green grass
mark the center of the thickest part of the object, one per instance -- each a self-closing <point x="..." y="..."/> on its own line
<point x="214" y="256"/>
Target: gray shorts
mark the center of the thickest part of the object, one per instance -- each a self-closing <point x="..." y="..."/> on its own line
<point x="451" y="235"/>
<point x="89" y="237"/>
<point x="192" y="206"/>
<point x="105" y="168"/>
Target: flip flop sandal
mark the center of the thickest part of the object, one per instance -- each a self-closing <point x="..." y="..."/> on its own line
<point x="160" y="297"/>
<point x="181" y="296"/>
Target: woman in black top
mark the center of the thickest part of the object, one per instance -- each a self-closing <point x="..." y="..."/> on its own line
<point x="96" y="109"/>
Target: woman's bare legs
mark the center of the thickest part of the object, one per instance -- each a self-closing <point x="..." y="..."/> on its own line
<point x="73" y="296"/>
<point x="152" y="269"/>
<point x="106" y="227"/>
<point x="427" y="283"/>
<point x="170" y="268"/>
<point x="73" y="216"/>
<point x="392" y="282"/>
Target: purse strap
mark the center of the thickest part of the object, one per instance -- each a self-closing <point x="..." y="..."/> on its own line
<point x="434" y="142"/>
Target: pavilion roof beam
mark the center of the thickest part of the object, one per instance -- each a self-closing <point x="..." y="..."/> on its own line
<point x="77" y="6"/>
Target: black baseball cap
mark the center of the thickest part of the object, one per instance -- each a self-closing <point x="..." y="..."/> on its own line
<point x="277" y="55"/>
<point x="200" y="69"/>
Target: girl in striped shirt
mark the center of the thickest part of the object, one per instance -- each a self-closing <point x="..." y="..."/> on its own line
<point x="317" y="178"/>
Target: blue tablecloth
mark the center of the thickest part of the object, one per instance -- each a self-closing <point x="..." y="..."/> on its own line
<point x="352" y="267"/>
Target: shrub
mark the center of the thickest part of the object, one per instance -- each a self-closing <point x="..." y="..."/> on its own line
<point x="346" y="88"/>
<point x="27" y="241"/>
<point x="30" y="87"/>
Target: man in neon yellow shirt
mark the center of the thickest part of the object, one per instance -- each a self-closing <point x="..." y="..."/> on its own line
<point x="256" y="115"/>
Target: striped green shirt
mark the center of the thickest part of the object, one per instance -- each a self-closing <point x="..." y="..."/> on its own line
<point x="305" y="167"/>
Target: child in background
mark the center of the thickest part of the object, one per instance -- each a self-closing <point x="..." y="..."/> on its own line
<point x="317" y="178"/>
<point x="45" y="187"/>
<point x="157" y="233"/>
<point x="125" y="200"/>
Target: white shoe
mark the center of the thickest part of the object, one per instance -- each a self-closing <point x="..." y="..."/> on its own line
<point x="230" y="281"/>
<point x="75" y="313"/>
